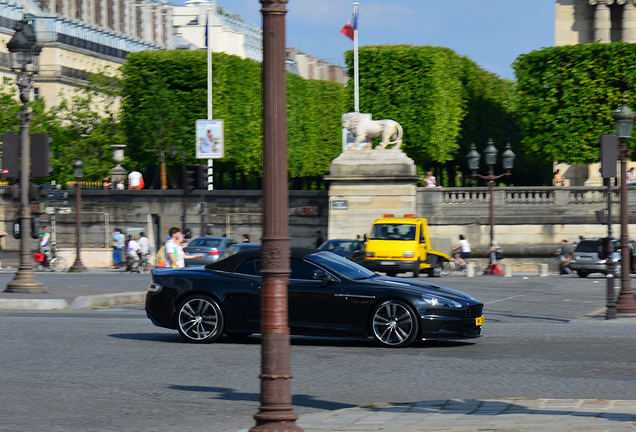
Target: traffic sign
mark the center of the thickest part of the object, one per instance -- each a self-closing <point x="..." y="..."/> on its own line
<point x="57" y="195"/>
<point x="57" y="203"/>
<point x="58" y="210"/>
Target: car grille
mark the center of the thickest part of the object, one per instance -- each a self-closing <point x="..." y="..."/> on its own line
<point x="474" y="311"/>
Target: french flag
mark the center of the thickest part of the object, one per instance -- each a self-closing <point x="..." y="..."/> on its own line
<point x="351" y="26"/>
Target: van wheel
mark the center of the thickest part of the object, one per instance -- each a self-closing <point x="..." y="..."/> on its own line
<point x="416" y="270"/>
<point x="391" y="274"/>
<point x="435" y="272"/>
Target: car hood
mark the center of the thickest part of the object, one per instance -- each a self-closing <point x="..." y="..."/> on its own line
<point x="417" y="287"/>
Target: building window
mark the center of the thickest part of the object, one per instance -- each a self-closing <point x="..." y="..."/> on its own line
<point x="36" y="93"/>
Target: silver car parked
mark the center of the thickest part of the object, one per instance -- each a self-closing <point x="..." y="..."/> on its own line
<point x="585" y="259"/>
<point x="210" y="247"/>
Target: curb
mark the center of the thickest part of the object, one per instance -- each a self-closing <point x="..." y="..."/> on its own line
<point x="81" y="302"/>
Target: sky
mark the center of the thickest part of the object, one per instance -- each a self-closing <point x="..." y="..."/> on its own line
<point x="492" y="33"/>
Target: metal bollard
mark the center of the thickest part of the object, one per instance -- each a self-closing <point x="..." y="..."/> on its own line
<point x="507" y="270"/>
<point x="543" y="270"/>
<point x="470" y="270"/>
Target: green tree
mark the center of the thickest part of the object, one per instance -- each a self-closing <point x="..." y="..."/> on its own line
<point x="567" y="96"/>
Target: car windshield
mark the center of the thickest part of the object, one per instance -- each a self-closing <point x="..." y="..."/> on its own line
<point x="205" y="242"/>
<point x="339" y="245"/>
<point x="340" y="265"/>
<point x="591" y="246"/>
<point x="392" y="231"/>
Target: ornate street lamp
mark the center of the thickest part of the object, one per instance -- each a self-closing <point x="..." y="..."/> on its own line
<point x="24" y="50"/>
<point x="275" y="410"/>
<point x="624" y="121"/>
<point x="490" y="154"/>
<point x="78" y="173"/>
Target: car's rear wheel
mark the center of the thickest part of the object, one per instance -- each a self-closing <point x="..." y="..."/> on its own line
<point x="416" y="270"/>
<point x="394" y="324"/>
<point x="200" y="319"/>
<point x="582" y="274"/>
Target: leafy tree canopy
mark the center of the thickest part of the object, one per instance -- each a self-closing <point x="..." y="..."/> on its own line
<point x="567" y="96"/>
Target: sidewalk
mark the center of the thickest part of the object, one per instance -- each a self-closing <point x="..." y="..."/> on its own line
<point x="75" y="297"/>
<point x="502" y="415"/>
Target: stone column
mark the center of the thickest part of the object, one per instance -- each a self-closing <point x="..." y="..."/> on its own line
<point x="628" y="25"/>
<point x="602" y="20"/>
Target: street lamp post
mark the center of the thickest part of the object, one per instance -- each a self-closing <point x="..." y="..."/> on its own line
<point x="624" y="121"/>
<point x="490" y="153"/>
<point x="78" y="173"/>
<point x="275" y="410"/>
<point x="24" y="51"/>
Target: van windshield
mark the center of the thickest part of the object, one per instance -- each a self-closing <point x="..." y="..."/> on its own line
<point x="389" y="231"/>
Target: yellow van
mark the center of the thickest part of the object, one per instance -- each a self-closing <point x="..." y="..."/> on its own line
<point x="400" y="244"/>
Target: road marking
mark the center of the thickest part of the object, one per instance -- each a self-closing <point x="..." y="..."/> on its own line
<point x="500" y="300"/>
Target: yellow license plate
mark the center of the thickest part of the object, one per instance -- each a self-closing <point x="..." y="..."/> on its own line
<point x="479" y="321"/>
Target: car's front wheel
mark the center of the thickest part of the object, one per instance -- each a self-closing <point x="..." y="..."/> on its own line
<point x="582" y="274"/>
<point x="200" y="319"/>
<point x="394" y="324"/>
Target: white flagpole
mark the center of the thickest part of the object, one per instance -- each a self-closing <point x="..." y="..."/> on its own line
<point x="356" y="77"/>
<point x="209" y="33"/>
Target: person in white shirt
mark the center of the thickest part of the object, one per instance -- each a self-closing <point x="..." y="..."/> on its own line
<point x="133" y="250"/>
<point x="44" y="243"/>
<point x="144" y="243"/>
<point x="174" y="251"/>
<point x="134" y="179"/>
<point x="464" y="248"/>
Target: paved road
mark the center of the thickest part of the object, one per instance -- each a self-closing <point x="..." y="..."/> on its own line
<point x="110" y="369"/>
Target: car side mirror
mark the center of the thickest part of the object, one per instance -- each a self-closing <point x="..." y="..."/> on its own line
<point x="321" y="275"/>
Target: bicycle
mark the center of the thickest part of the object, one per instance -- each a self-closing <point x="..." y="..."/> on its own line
<point x="56" y="263"/>
<point x="143" y="265"/>
<point x="449" y="267"/>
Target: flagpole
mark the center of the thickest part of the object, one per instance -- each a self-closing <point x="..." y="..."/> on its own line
<point x="356" y="77"/>
<point x="208" y="40"/>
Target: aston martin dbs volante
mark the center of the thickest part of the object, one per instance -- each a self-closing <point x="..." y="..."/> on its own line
<point x="328" y="295"/>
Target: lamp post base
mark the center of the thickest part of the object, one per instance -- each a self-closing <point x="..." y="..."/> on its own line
<point x="626" y="302"/>
<point x="25" y="282"/>
<point x="77" y="267"/>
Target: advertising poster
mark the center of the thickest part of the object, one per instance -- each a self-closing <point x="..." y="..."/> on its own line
<point x="210" y="144"/>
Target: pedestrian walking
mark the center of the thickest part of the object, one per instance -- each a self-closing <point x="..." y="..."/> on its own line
<point x="118" y="247"/>
<point x="2" y="234"/>
<point x="135" y="179"/>
<point x="564" y="254"/>
<point x="246" y="238"/>
<point x="319" y="239"/>
<point x="496" y="255"/>
<point x="174" y="252"/>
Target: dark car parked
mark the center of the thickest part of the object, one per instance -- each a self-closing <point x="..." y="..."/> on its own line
<point x="210" y="247"/>
<point x="236" y="248"/>
<point x="350" y="249"/>
<point x="328" y="295"/>
<point x="585" y="259"/>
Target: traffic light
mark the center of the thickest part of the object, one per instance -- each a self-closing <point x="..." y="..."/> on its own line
<point x="191" y="180"/>
<point x="608" y="155"/>
<point x="16" y="227"/>
<point x="35" y="227"/>
<point x="40" y="155"/>
<point x="202" y="176"/>
<point x="10" y="147"/>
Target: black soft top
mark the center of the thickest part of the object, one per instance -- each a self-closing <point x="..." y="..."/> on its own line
<point x="231" y="263"/>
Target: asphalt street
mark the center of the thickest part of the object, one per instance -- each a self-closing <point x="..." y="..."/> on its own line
<point x="106" y="369"/>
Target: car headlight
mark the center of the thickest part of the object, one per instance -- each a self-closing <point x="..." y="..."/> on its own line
<point x="155" y="287"/>
<point x="440" y="301"/>
<point x="408" y="254"/>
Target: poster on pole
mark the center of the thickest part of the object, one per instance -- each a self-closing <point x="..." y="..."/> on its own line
<point x="209" y="139"/>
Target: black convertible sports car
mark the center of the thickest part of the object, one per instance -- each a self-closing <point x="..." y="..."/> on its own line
<point x="328" y="295"/>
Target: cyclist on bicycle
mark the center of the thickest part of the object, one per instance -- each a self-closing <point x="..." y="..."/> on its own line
<point x="133" y="253"/>
<point x="464" y="250"/>
<point x="45" y="247"/>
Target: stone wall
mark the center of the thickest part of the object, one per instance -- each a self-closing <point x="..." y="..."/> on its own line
<point x="528" y="221"/>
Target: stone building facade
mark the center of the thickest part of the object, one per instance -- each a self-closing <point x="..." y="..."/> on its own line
<point x="585" y="21"/>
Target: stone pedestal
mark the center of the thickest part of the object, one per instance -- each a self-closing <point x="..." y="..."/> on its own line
<point x="365" y="185"/>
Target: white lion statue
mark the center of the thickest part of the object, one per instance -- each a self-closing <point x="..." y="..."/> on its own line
<point x="364" y="130"/>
